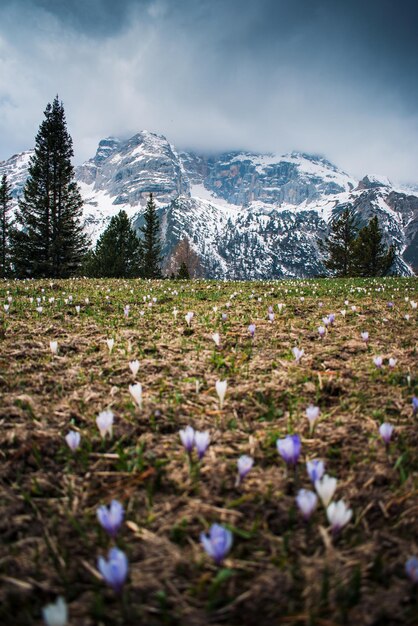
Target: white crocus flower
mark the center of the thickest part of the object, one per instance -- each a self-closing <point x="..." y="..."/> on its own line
<point x="325" y="488"/>
<point x="312" y="413"/>
<point x="298" y="354"/>
<point x="338" y="515"/>
<point x="217" y="339"/>
<point x="53" y="347"/>
<point x="136" y="393"/>
<point x="307" y="502"/>
<point x="104" y="423"/>
<point x="221" y="386"/>
<point x="56" y="614"/>
<point x="110" y="343"/>
<point x="134" y="367"/>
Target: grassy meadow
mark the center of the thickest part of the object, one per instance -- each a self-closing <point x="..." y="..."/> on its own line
<point x="280" y="569"/>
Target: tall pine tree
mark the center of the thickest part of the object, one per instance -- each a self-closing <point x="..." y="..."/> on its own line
<point x="339" y="245"/>
<point x="118" y="252"/>
<point x="151" y="246"/>
<point x="49" y="240"/>
<point x="372" y="257"/>
<point x="5" y="206"/>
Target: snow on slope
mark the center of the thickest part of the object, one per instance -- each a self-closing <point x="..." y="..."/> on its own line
<point x="247" y="215"/>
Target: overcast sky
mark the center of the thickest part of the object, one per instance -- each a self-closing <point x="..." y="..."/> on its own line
<point x="339" y="77"/>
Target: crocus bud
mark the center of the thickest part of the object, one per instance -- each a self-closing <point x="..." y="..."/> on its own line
<point x="312" y="413"/>
<point x="365" y="336"/>
<point x="56" y="614"/>
<point x="298" y="354"/>
<point x="325" y="488"/>
<point x="104" y="423"/>
<point x="73" y="440"/>
<point x="251" y="329"/>
<point x="244" y="464"/>
<point x="187" y="438"/>
<point x="136" y="393"/>
<point x="110" y="343"/>
<point x="217" y="543"/>
<point x="134" y="367"/>
<point x="411" y="567"/>
<point x="202" y="441"/>
<point x="53" y="345"/>
<point x="289" y="449"/>
<point x="221" y="386"/>
<point x="386" y="431"/>
<point x="338" y="515"/>
<point x="321" y="331"/>
<point x="217" y="339"/>
<point x="111" y="518"/>
<point x="315" y="469"/>
<point x="115" y="569"/>
<point x="307" y="502"/>
<point x="378" y="361"/>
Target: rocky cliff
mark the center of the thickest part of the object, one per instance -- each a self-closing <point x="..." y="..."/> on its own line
<point x="247" y="215"/>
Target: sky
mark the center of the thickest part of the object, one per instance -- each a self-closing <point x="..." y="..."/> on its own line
<point x="337" y="78"/>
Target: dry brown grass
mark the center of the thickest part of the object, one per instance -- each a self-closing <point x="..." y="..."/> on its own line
<point x="280" y="570"/>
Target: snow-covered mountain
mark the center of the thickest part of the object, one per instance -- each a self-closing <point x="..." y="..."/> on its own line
<point x="247" y="215"/>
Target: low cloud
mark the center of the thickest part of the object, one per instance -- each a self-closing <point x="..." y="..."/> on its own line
<point x="271" y="76"/>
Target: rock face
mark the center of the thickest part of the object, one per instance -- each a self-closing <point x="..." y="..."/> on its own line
<point x="247" y="215"/>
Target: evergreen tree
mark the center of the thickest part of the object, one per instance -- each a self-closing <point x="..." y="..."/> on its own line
<point x="339" y="245"/>
<point x="151" y="246"/>
<point x="118" y="251"/>
<point x="183" y="273"/>
<point x="49" y="240"/>
<point x="371" y="256"/>
<point x="5" y="206"/>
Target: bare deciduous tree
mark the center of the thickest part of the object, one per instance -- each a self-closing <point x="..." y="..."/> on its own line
<point x="184" y="253"/>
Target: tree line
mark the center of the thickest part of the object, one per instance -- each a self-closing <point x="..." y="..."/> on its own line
<point x="46" y="238"/>
<point x="353" y="251"/>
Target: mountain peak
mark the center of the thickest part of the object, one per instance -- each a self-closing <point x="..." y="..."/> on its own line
<point x="371" y="181"/>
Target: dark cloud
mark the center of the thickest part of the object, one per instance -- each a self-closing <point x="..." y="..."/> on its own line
<point x="323" y="76"/>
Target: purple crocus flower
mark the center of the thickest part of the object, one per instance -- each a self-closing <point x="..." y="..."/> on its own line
<point x="224" y="317"/>
<point x="386" y="431"/>
<point x="244" y="464"/>
<point x="321" y="331"/>
<point x="218" y="543"/>
<point x="315" y="469"/>
<point x="411" y="567"/>
<point x="289" y="449"/>
<point x="251" y="329"/>
<point x="111" y="518"/>
<point x="331" y="318"/>
<point x="414" y="405"/>
<point x="390" y="305"/>
<point x="187" y="438"/>
<point x="115" y="569"/>
<point x="202" y="441"/>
